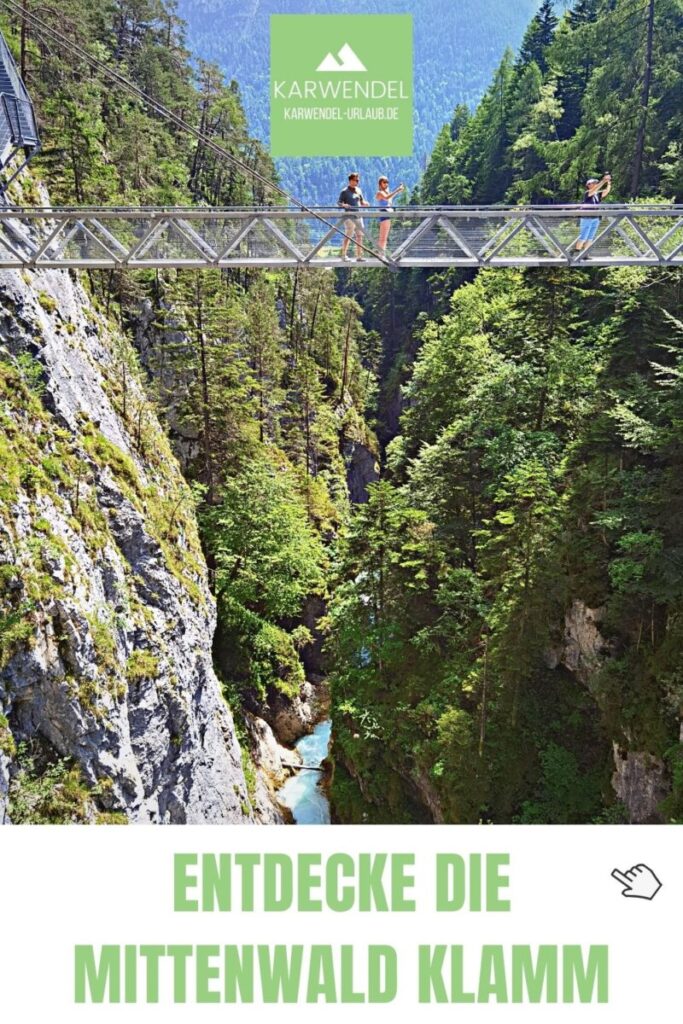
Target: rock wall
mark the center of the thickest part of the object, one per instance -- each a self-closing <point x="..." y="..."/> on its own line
<point x="362" y="468"/>
<point x="641" y="784"/>
<point x="106" y="617"/>
<point x="640" y="779"/>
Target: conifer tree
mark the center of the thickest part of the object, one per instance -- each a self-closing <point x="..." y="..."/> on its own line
<point x="538" y="37"/>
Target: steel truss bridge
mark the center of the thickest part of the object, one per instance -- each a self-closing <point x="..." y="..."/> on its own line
<point x="204" y="237"/>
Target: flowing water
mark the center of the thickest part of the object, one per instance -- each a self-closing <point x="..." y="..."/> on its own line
<point x="303" y="793"/>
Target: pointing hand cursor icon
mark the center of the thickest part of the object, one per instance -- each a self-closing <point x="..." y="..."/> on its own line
<point x="640" y="882"/>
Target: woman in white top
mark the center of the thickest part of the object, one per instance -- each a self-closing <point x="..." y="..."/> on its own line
<point x="383" y="198"/>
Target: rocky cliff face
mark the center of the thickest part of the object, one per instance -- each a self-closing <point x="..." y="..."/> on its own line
<point x="362" y="469"/>
<point x="640" y="779"/>
<point x="106" y="618"/>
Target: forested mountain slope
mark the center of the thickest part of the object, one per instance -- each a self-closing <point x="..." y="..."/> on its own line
<point x="457" y="46"/>
<point x="260" y="381"/>
<point x="506" y="627"/>
<point x="598" y="90"/>
<point x="504" y="610"/>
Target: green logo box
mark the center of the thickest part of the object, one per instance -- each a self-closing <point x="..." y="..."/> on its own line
<point x="341" y="84"/>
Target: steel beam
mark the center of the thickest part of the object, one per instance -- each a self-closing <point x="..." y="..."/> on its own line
<point x="275" y="236"/>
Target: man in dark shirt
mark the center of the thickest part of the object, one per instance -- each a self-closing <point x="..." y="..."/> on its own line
<point x="351" y="198"/>
<point x="596" y="191"/>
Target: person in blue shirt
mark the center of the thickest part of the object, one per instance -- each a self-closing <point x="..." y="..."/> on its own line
<point x="596" y="191"/>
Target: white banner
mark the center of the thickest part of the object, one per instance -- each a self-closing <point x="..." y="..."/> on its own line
<point x="191" y="924"/>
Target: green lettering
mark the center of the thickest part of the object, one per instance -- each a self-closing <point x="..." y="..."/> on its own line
<point x="89" y="977"/>
<point x="247" y="862"/>
<point x="401" y="880"/>
<point x="348" y="995"/>
<point x="239" y="974"/>
<point x="458" y="994"/>
<point x="492" y="980"/>
<point x="180" y="955"/>
<point x="307" y="881"/>
<point x="529" y="982"/>
<point x="371" y="894"/>
<point x="152" y="955"/>
<point x="280" y="976"/>
<point x="450" y="882"/>
<point x="339" y="864"/>
<point x="206" y="973"/>
<point x="496" y="881"/>
<point x="321" y="976"/>
<point x="382" y="974"/>
<point x="182" y="881"/>
<point x="593" y="975"/>
<point x="130" y="972"/>
<point x="278" y="884"/>
<point x="216" y="882"/>
<point x="430" y="977"/>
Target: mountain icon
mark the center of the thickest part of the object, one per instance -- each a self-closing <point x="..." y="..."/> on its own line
<point x="348" y="61"/>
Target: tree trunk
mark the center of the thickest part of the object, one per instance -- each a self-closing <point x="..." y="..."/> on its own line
<point x="22" y="61"/>
<point x="292" y="309"/>
<point x="345" y="366"/>
<point x="644" y="103"/>
<point x="208" y="461"/>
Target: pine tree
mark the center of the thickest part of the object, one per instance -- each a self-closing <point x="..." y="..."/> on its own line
<point x="539" y="37"/>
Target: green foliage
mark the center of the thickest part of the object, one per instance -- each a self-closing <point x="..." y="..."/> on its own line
<point x="102" y="632"/>
<point x="52" y="793"/>
<point x="100" y="146"/>
<point x="7" y="745"/>
<point x="15" y="628"/>
<point x="47" y="302"/>
<point x="268" y="559"/>
<point x="269" y="373"/>
<point x="141" y="665"/>
<point x="537" y="460"/>
<point x="518" y="485"/>
<point x="249" y="774"/>
<point x="539" y="441"/>
<point x="567" y="795"/>
<point x="568" y="108"/>
<point x="267" y="556"/>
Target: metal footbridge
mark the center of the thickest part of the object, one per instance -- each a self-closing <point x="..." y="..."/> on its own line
<point x="276" y="236"/>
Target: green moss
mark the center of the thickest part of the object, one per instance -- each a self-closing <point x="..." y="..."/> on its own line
<point x="88" y="692"/>
<point x="104" y="640"/>
<point x="168" y="516"/>
<point x="249" y="774"/>
<point x="47" y="302"/>
<point x="7" y="744"/>
<point x="110" y="818"/>
<point x="106" y="453"/>
<point x="54" y="468"/>
<point x="16" y="628"/>
<point x="141" y="665"/>
<point x="92" y="521"/>
<point x="52" y="794"/>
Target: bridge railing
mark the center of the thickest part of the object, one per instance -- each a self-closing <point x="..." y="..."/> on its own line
<point x="277" y="236"/>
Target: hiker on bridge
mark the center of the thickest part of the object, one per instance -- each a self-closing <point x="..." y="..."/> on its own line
<point x="351" y="198"/>
<point x="383" y="198"/>
<point x="596" y="191"/>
